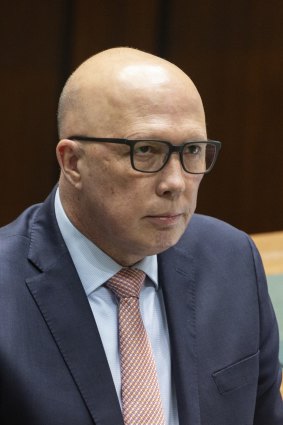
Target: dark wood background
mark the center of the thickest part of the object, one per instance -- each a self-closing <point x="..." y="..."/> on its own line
<point x="233" y="50"/>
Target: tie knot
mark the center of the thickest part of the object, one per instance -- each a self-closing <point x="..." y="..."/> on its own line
<point x="127" y="283"/>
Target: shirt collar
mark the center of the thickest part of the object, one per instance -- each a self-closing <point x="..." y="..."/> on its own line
<point x="93" y="266"/>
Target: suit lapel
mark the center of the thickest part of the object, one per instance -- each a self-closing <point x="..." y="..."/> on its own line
<point x="61" y="299"/>
<point x="176" y="275"/>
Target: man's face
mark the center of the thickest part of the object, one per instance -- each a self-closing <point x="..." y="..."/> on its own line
<point x="130" y="214"/>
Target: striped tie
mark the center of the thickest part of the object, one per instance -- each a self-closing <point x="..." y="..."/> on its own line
<point x="140" y="390"/>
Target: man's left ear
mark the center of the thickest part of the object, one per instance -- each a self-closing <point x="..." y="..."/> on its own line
<point x="69" y="154"/>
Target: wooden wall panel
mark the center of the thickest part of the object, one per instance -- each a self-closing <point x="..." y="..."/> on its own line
<point x="98" y="26"/>
<point x="30" y="72"/>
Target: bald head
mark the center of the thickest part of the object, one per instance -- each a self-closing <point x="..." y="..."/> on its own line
<point x="112" y="85"/>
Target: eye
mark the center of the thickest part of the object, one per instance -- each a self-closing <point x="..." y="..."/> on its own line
<point x="143" y="149"/>
<point x="148" y="148"/>
<point x="194" y="149"/>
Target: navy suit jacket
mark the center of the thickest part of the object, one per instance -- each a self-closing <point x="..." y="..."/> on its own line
<point x="223" y="332"/>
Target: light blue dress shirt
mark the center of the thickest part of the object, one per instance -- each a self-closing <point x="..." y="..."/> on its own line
<point x="94" y="268"/>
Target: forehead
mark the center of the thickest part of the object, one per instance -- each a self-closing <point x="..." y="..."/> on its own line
<point x="163" y="113"/>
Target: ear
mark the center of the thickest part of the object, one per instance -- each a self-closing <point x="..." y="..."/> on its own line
<point x="69" y="153"/>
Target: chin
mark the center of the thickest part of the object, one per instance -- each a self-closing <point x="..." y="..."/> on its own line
<point x="164" y="242"/>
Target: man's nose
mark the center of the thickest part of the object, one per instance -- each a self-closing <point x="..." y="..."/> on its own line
<point x="172" y="178"/>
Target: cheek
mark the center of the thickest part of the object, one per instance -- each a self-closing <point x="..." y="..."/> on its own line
<point x="116" y="199"/>
<point x="194" y="186"/>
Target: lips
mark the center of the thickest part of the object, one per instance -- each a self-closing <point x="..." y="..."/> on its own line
<point x="166" y="214"/>
<point x="165" y="219"/>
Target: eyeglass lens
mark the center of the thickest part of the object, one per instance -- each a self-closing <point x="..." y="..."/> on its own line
<point x="151" y="156"/>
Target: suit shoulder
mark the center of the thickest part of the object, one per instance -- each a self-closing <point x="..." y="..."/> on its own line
<point x="213" y="232"/>
<point x="204" y="223"/>
<point x="21" y="226"/>
<point x="212" y="241"/>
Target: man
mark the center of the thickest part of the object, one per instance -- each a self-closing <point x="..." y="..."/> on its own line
<point x="133" y="150"/>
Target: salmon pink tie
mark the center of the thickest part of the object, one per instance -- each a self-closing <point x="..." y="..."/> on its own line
<point x="140" y="390"/>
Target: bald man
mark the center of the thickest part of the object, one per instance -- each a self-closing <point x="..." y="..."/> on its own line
<point x="133" y="150"/>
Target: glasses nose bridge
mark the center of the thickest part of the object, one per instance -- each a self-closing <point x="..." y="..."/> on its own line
<point x="175" y="149"/>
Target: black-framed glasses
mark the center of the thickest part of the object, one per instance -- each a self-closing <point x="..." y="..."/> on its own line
<point x="150" y="156"/>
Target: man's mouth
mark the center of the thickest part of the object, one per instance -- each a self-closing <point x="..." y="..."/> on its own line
<point x="167" y="219"/>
